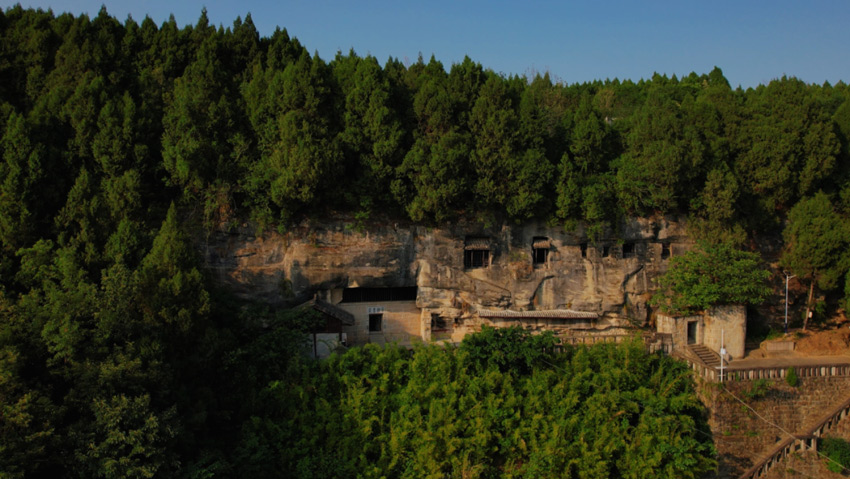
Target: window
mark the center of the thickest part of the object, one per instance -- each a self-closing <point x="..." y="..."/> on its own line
<point x="375" y="323"/>
<point x="583" y="247"/>
<point x="606" y="251"/>
<point x="438" y="323"/>
<point x="476" y="258"/>
<point x="540" y="250"/>
<point x="665" y="250"/>
<point x="476" y="253"/>
<point x="628" y="250"/>
<point x="440" y="328"/>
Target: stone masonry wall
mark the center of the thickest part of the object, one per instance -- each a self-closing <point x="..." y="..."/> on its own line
<point x="401" y="323"/>
<point x="810" y="463"/>
<point x="741" y="436"/>
<point x="802" y="465"/>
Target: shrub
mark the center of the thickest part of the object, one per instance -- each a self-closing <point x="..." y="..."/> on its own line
<point x="838" y="451"/>
<point x="791" y="377"/>
<point x="758" y="389"/>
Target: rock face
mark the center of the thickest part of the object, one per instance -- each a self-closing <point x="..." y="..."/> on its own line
<point x="458" y="268"/>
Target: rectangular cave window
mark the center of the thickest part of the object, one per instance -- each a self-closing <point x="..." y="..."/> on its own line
<point x="583" y="247"/>
<point x="438" y="323"/>
<point x="375" y="322"/>
<point x="665" y="250"/>
<point x="476" y="253"/>
<point x="606" y="251"/>
<point x="540" y="250"/>
<point x="476" y="258"/>
<point x="628" y="250"/>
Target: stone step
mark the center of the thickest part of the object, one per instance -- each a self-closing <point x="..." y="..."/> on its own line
<point x="707" y="356"/>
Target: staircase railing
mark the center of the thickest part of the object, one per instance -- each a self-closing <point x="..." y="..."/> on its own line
<point x="799" y="442"/>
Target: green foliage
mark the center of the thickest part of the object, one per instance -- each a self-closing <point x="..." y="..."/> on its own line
<point x="816" y="242"/>
<point x="847" y="291"/>
<point x="507" y="349"/>
<point x="117" y="359"/>
<point x="816" y="246"/>
<point x="711" y="275"/>
<point x="716" y="218"/>
<point x="773" y="334"/>
<point x="174" y="290"/>
<point x="787" y="145"/>
<point x="130" y="440"/>
<point x="758" y="389"/>
<point x="202" y="124"/>
<point x="296" y="131"/>
<point x="498" y="406"/>
<point x="838" y="452"/>
<point x="791" y="377"/>
<point x="232" y="124"/>
<point x="372" y="135"/>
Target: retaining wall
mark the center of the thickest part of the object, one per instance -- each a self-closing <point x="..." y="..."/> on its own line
<point x="741" y="436"/>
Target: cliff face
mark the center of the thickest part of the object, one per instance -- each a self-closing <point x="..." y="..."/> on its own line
<point x="612" y="278"/>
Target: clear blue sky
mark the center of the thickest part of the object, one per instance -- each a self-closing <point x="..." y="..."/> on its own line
<point x="575" y="41"/>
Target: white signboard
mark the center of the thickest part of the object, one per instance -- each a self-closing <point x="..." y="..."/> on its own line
<point x="374" y="310"/>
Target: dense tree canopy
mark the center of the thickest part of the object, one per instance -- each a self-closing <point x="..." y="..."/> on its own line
<point x="500" y="405"/>
<point x="817" y="245"/>
<point x="713" y="274"/>
<point x="256" y="127"/>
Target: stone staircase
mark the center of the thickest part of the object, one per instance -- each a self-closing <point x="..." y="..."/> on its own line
<point x="708" y="357"/>
<point x="807" y="440"/>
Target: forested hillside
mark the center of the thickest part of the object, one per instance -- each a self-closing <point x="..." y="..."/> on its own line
<point x="121" y="142"/>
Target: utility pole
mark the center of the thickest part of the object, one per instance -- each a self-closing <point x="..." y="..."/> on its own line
<point x="722" y="353"/>
<point x="787" y="277"/>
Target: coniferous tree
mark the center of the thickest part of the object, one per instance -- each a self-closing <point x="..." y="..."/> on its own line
<point x="434" y="179"/>
<point x="296" y="130"/>
<point x="372" y="135"/>
<point x="22" y="218"/>
<point x="816" y="245"/>
<point x="204" y="146"/>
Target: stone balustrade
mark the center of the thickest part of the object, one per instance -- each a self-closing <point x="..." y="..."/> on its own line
<point x="802" y="442"/>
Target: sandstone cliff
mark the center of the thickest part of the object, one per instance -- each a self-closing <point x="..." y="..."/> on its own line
<point x="613" y="277"/>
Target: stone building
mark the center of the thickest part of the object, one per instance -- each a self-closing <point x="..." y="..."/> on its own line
<point x="405" y="283"/>
<point x="719" y="327"/>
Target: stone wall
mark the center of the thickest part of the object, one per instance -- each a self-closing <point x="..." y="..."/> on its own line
<point x="726" y="325"/>
<point x="721" y="325"/>
<point x="400" y="323"/>
<point x="741" y="435"/>
<point x="802" y="465"/>
<point x="677" y="327"/>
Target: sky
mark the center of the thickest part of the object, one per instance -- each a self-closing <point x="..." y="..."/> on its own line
<point x="753" y="42"/>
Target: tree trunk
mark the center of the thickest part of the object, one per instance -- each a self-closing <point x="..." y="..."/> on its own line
<point x="809" y="303"/>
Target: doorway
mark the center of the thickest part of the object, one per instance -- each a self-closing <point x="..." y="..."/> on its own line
<point x="692" y="332"/>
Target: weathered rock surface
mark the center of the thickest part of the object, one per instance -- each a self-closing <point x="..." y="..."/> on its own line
<point x="284" y="269"/>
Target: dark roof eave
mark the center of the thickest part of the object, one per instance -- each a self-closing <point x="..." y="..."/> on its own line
<point x="547" y="314"/>
<point x="331" y="310"/>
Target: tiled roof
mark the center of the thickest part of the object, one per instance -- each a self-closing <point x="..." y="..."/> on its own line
<point x="477" y="244"/>
<point x="542" y="243"/>
<point x="327" y="308"/>
<point x="548" y="314"/>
